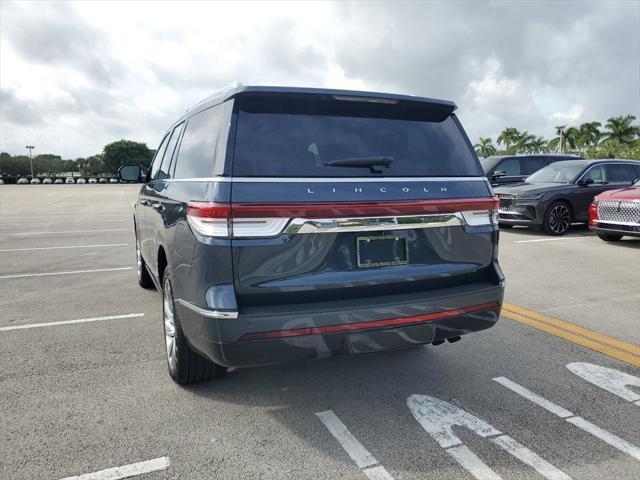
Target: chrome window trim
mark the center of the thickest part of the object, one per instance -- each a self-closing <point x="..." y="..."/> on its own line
<point x="326" y="179"/>
<point x="205" y="312"/>
<point x="604" y="164"/>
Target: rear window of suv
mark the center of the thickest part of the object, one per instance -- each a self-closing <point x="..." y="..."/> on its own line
<point x="299" y="138"/>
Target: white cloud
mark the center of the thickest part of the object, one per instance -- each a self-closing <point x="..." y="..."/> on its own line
<point x="75" y="76"/>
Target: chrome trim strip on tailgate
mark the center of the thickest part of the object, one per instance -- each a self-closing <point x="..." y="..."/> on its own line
<point x="368" y="224"/>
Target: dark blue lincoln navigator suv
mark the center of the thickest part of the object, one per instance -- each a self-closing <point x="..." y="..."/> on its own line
<point x="291" y="223"/>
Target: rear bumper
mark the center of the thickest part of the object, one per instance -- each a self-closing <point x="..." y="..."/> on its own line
<point x="267" y="337"/>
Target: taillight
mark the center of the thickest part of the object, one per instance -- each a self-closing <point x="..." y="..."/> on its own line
<point x="593" y="212"/>
<point x="216" y="220"/>
<point x="209" y="219"/>
<point x="241" y="220"/>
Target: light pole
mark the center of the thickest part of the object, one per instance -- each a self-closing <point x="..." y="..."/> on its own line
<point x="560" y="130"/>
<point x="30" y="148"/>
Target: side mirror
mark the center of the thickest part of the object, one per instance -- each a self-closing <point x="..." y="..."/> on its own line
<point x="585" y="182"/>
<point x="498" y="174"/>
<point x="130" y="173"/>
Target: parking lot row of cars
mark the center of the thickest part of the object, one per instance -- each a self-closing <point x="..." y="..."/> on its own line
<point x="552" y="192"/>
<point x="48" y="180"/>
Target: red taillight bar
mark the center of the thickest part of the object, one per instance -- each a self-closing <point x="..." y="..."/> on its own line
<point x="332" y="210"/>
<point x="392" y="322"/>
<point x="209" y="210"/>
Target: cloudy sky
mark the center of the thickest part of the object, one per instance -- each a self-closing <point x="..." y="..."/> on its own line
<point x="75" y="76"/>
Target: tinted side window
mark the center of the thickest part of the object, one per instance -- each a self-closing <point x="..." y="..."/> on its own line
<point x="163" y="173"/>
<point x="534" y="164"/>
<point x="596" y="174"/>
<point x="620" y="173"/>
<point x="511" y="167"/>
<point x="198" y="146"/>
<point x="157" y="160"/>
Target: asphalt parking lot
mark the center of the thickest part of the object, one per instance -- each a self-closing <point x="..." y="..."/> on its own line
<point x="86" y="396"/>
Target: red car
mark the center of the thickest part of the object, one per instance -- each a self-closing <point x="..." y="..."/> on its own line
<point x="616" y="213"/>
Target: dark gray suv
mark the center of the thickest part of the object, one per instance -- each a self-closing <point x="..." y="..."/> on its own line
<point x="289" y="223"/>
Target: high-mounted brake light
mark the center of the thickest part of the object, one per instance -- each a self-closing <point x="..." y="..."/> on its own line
<point x="347" y="98"/>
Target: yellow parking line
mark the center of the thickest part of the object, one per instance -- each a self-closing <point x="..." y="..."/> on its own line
<point x="627" y="352"/>
<point x="598" y="337"/>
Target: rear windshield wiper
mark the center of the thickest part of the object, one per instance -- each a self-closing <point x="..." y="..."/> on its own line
<point x="375" y="164"/>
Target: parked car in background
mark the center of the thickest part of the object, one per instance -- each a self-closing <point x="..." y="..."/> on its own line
<point x="35" y="181"/>
<point x="92" y="180"/>
<point x="69" y="180"/>
<point x="103" y="180"/>
<point x="561" y="193"/>
<point x="113" y="180"/>
<point x="47" y="181"/>
<point x="1" y="181"/>
<point x="507" y="169"/>
<point x="320" y="242"/>
<point x="22" y="181"/>
<point x="616" y="213"/>
<point x="81" y="180"/>
<point x="58" y="180"/>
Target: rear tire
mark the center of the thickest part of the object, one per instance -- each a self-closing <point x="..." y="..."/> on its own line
<point x="185" y="365"/>
<point x="557" y="218"/>
<point x="144" y="277"/>
<point x="609" y="238"/>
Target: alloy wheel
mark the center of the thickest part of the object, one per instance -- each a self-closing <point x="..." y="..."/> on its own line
<point x="138" y="261"/>
<point x="559" y="219"/>
<point x="169" y="326"/>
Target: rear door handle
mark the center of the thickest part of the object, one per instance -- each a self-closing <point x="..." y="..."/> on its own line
<point x="158" y="206"/>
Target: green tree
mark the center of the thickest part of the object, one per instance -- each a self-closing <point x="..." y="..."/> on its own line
<point x="538" y="145"/>
<point x="484" y="147"/>
<point x="122" y="152"/>
<point x="621" y="131"/>
<point x="591" y="133"/>
<point x="523" y="142"/>
<point x="95" y="164"/>
<point x="574" y="138"/>
<point x="46" y="163"/>
<point x="508" y="137"/>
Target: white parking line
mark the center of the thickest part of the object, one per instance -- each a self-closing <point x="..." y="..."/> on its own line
<point x="438" y="418"/>
<point x="70" y="322"/>
<point x="579" y="422"/>
<point x="609" y="379"/>
<point x="353" y="447"/>
<point x="46" y="274"/>
<point x="65" y="247"/>
<point x="550" y="239"/>
<point x="126" y="471"/>
<point x="64" y="232"/>
<point x="12" y="226"/>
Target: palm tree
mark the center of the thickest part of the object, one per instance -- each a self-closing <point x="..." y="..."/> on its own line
<point x="508" y="137"/>
<point x="574" y="138"/>
<point x="621" y="131"/>
<point x="484" y="147"/>
<point x="591" y="133"/>
<point x="538" y="145"/>
<point x="523" y="142"/>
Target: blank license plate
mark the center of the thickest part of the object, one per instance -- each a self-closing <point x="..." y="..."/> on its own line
<point x="381" y="251"/>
